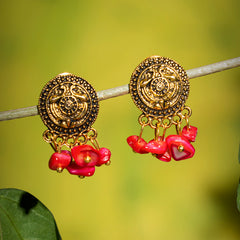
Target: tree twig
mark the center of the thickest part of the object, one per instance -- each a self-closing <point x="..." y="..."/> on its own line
<point x="122" y="90"/>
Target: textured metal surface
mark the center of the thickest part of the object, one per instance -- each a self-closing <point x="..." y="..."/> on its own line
<point x="159" y="86"/>
<point x="68" y="104"/>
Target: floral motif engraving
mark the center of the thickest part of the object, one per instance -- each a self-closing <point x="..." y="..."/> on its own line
<point x="68" y="104"/>
<point x="159" y="86"/>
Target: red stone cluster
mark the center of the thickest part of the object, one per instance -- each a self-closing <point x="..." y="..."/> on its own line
<point x="178" y="147"/>
<point x="81" y="160"/>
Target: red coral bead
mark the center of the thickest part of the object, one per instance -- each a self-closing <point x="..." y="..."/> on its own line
<point x="137" y="144"/>
<point x="157" y="147"/>
<point x="85" y="155"/>
<point x="105" y="155"/>
<point x="179" y="147"/>
<point x="59" y="161"/>
<point x="190" y="133"/>
<point x="166" y="157"/>
<point x="75" y="169"/>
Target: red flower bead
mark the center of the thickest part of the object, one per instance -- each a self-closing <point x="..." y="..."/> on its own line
<point x="137" y="144"/>
<point x="85" y="155"/>
<point x="189" y="133"/>
<point x="179" y="147"/>
<point x="105" y="155"/>
<point x="75" y="169"/>
<point x="157" y="147"/>
<point x="166" y="157"/>
<point x="59" y="161"/>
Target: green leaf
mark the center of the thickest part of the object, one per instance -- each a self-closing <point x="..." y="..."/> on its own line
<point x="22" y="216"/>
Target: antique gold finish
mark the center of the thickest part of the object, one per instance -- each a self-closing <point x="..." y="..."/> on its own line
<point x="159" y="87"/>
<point x="68" y="105"/>
<point x="180" y="148"/>
<point x="87" y="159"/>
<point x="57" y="141"/>
<point x="165" y="122"/>
<point x="59" y="170"/>
<point x="108" y="163"/>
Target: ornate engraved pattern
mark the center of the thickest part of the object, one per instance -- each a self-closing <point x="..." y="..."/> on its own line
<point x="68" y="104"/>
<point x="159" y="86"/>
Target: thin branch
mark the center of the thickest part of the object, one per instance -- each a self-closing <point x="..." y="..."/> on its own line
<point x="122" y="90"/>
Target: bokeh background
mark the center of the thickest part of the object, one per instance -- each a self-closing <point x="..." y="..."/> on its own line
<point x="137" y="197"/>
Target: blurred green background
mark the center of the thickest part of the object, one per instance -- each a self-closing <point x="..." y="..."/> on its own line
<point x="137" y="197"/>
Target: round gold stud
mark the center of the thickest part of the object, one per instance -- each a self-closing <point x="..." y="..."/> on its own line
<point x="68" y="104"/>
<point x="108" y="163"/>
<point x="159" y="86"/>
<point x="180" y="148"/>
<point x="81" y="177"/>
<point x="87" y="159"/>
<point x="59" y="170"/>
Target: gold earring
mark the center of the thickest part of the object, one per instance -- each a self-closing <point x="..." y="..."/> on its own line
<point x="68" y="106"/>
<point x="159" y="87"/>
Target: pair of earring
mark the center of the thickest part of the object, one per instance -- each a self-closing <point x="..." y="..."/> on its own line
<point x="68" y="106"/>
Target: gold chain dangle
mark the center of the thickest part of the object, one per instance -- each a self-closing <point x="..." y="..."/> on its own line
<point x="159" y="87"/>
<point x="68" y="106"/>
